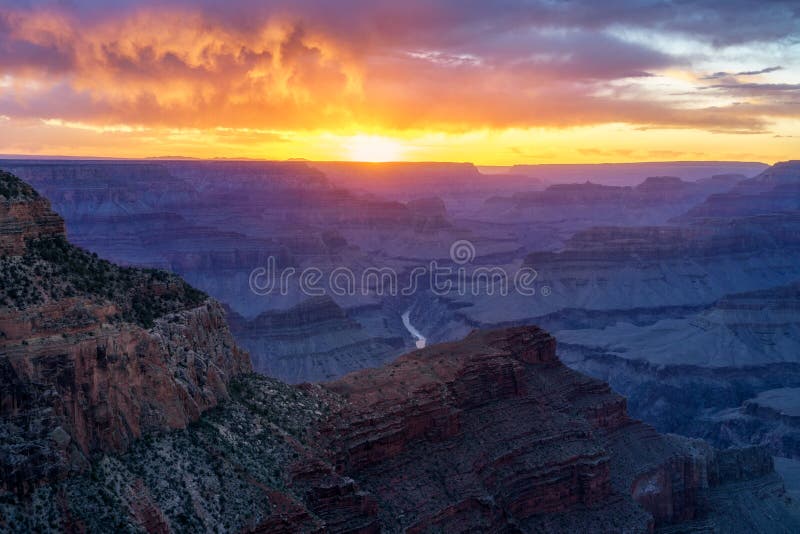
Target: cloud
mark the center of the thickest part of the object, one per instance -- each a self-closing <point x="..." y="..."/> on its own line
<point x="174" y="68"/>
<point x="723" y="74"/>
<point x="758" y="88"/>
<point x="303" y="65"/>
<point x="757" y="72"/>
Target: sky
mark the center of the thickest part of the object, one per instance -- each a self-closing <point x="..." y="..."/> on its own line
<point x="495" y="83"/>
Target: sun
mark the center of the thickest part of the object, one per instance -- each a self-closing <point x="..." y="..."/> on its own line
<point x="373" y="148"/>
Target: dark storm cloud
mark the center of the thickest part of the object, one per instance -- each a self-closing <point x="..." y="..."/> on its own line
<point x="717" y="21"/>
<point x="50" y="54"/>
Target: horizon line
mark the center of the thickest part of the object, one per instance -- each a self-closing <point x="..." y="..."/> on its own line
<point x="56" y="157"/>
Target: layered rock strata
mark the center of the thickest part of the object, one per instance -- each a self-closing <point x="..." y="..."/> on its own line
<point x="94" y="356"/>
<point x="314" y="340"/>
<point x="491" y="433"/>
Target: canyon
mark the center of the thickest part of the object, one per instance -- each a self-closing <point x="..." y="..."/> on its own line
<point x="314" y="340"/>
<point x="679" y="290"/>
<point x="107" y="383"/>
<point x="689" y="319"/>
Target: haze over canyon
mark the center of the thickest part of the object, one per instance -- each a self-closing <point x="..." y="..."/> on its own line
<point x="681" y="293"/>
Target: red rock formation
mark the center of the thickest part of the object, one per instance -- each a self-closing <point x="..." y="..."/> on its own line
<point x="24" y="215"/>
<point x="104" y="385"/>
<point x="411" y="431"/>
<point x="76" y="379"/>
<point x="489" y="434"/>
<point x="494" y="431"/>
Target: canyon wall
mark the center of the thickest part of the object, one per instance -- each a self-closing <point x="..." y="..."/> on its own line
<point x="93" y="356"/>
<point x="492" y="433"/>
<point x="312" y="341"/>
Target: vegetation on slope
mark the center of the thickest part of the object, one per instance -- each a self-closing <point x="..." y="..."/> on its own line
<point x="13" y="189"/>
<point x="222" y="469"/>
<point x="53" y="269"/>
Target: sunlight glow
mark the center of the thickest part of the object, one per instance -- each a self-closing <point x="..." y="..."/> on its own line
<point x="373" y="148"/>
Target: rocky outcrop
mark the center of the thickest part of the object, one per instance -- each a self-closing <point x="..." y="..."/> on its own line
<point x="770" y="418"/>
<point x="314" y="340"/>
<point x="490" y="433"/>
<point x="623" y="245"/>
<point x="780" y="405"/>
<point x="428" y="214"/>
<point x="715" y="373"/>
<point x="24" y="215"/>
<point x="777" y="189"/>
<point x="89" y="189"/>
<point x="93" y="356"/>
<point x="751" y="329"/>
<point x="568" y="208"/>
<point x="551" y="441"/>
<point x="633" y="173"/>
<point x="70" y="394"/>
<point x="409" y="430"/>
<point x="690" y="321"/>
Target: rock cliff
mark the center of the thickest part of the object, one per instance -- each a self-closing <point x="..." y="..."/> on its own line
<point x="633" y="173"/>
<point x="92" y="355"/>
<point x="314" y="340"/>
<point x="492" y="433"/>
<point x="777" y="189"/>
<point x="23" y="215"/>
<point x="703" y="320"/>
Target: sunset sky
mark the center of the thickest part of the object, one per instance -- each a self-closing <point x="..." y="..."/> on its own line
<point x="512" y="81"/>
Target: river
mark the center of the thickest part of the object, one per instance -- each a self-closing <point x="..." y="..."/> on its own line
<point x="414" y="332"/>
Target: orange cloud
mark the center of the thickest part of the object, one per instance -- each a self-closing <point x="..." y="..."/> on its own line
<point x="177" y="67"/>
<point x="289" y="69"/>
